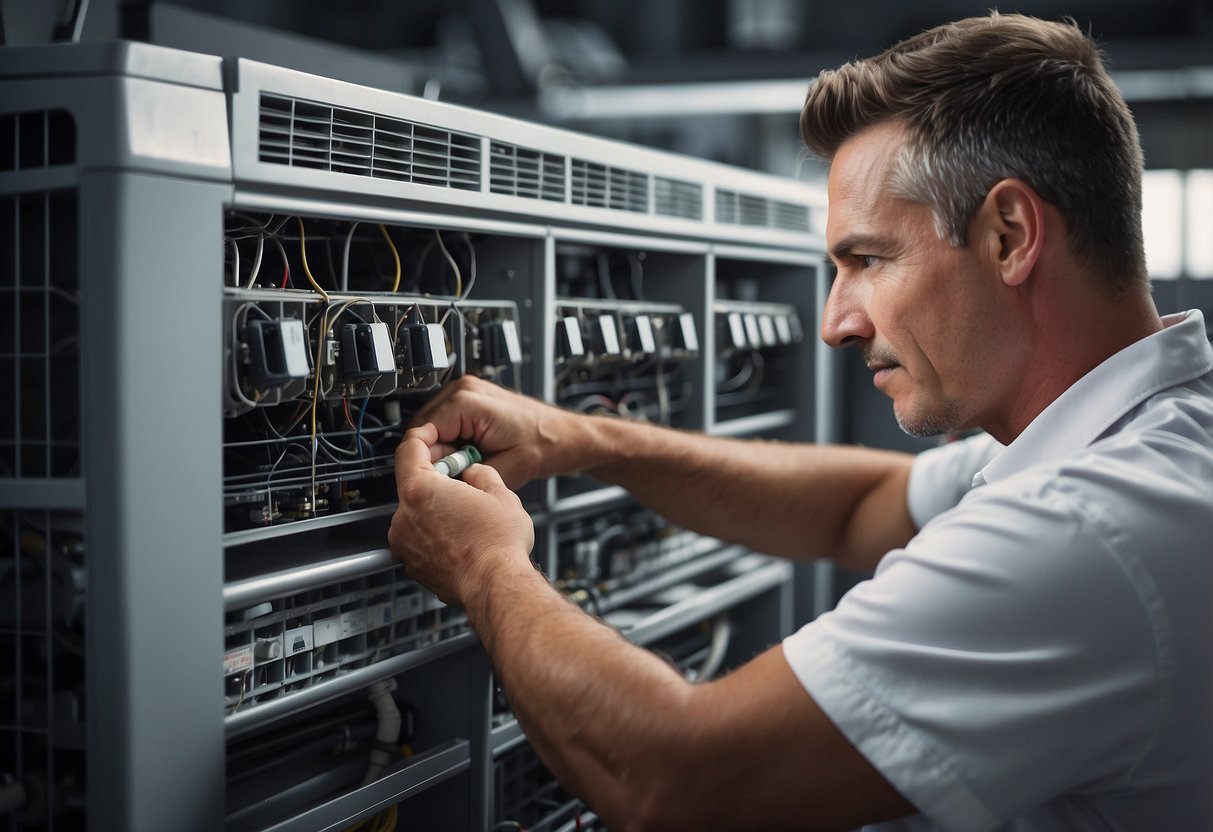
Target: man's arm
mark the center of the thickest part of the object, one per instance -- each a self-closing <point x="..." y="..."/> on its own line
<point x="793" y="500"/>
<point x="617" y="725"/>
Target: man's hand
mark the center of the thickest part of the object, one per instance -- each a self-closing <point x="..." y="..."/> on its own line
<point x="522" y="438"/>
<point x="453" y="535"/>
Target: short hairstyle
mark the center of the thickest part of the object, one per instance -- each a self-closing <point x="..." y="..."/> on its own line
<point x="990" y="98"/>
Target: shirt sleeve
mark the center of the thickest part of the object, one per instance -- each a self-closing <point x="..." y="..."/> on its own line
<point x="999" y="660"/>
<point x="941" y="476"/>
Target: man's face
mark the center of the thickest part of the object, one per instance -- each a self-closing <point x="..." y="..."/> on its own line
<point x="924" y="313"/>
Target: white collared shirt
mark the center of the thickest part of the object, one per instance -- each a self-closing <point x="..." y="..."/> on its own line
<point x="1040" y="655"/>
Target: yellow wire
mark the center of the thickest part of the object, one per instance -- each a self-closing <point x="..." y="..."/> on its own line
<point x="303" y="256"/>
<point x="324" y="321"/>
<point x="395" y="255"/>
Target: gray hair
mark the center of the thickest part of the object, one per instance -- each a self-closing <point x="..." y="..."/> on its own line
<point x="990" y="98"/>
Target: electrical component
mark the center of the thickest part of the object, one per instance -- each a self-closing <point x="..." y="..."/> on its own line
<point x="452" y="465"/>
<point x="685" y="336"/>
<point x="423" y="347"/>
<point x="606" y="335"/>
<point x="501" y="343"/>
<point x="737" y="332"/>
<point x="766" y="327"/>
<point x="640" y="335"/>
<point x="568" y="338"/>
<point x="366" y="350"/>
<point x="278" y="352"/>
<point x="752" y="334"/>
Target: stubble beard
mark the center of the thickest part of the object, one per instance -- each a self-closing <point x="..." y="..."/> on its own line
<point x="934" y="423"/>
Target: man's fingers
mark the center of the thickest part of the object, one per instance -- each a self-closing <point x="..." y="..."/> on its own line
<point x="414" y="449"/>
<point x="486" y="479"/>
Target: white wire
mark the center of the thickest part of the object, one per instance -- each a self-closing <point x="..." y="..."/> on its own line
<point x="467" y="238"/>
<point x="345" y="259"/>
<point x="722" y="632"/>
<point x="235" y="260"/>
<point x="454" y="266"/>
<point x="252" y="278"/>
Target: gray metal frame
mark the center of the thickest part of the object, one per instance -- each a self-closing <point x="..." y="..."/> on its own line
<point x="166" y="142"/>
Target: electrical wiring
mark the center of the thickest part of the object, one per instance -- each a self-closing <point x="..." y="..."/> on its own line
<point x="345" y="258"/>
<point x="603" y="264"/>
<point x="454" y="266"/>
<point x="256" y="267"/>
<point x="321" y="337"/>
<point x="395" y="255"/>
<point x="595" y="400"/>
<point x="749" y="377"/>
<point x="358" y="428"/>
<point x="286" y="263"/>
<point x="467" y="238"/>
<point x="235" y="260"/>
<point x="636" y="270"/>
<point x="244" y="677"/>
<point x="663" y="396"/>
<point x="721" y="634"/>
<point x="307" y="269"/>
<point x="234" y="348"/>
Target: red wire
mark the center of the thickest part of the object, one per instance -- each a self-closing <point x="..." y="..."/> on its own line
<point x="348" y="417"/>
<point x="286" y="275"/>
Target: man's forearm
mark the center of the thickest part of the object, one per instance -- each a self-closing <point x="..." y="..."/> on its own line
<point x="601" y="726"/>
<point x="787" y="499"/>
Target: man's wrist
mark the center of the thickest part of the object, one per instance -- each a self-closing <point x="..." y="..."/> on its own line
<point x="497" y="568"/>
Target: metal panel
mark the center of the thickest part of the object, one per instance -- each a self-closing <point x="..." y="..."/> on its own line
<point x="154" y="523"/>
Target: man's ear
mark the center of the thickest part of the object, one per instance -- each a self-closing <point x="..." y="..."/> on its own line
<point x="1012" y="223"/>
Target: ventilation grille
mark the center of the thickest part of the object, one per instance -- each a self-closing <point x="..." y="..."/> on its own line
<point x="733" y="208"/>
<point x="674" y="198"/>
<point x="790" y="216"/>
<point x="600" y="186"/>
<point x="305" y="134"/>
<point x="39" y="335"/>
<point x="37" y="139"/>
<point x="518" y="171"/>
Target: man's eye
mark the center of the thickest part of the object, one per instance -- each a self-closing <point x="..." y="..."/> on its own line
<point x="868" y="260"/>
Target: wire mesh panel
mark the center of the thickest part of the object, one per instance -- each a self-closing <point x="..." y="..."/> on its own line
<point x="39" y="329"/>
<point x="42" y="568"/>
<point x="42" y="694"/>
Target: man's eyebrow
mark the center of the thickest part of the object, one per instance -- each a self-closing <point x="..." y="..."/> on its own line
<point x="843" y="247"/>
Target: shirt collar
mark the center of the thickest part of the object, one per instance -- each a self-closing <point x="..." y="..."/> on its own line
<point x="1176" y="354"/>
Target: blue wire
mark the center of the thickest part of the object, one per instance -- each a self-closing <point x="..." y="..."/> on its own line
<point x="358" y="430"/>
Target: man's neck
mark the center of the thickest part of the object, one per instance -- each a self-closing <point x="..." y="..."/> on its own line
<point x="1069" y="340"/>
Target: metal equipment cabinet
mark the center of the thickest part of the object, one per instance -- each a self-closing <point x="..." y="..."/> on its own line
<point x="226" y="286"/>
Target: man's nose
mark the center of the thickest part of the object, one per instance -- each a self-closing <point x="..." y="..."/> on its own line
<point x="845" y="320"/>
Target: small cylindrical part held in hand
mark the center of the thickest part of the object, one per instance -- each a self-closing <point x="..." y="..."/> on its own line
<point x="452" y="465"/>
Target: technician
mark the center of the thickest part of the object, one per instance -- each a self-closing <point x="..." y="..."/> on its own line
<point x="1034" y="650"/>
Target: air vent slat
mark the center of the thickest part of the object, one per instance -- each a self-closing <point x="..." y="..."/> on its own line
<point x="522" y="172"/>
<point x="307" y="134"/>
<point x="752" y="210"/>
<point x="675" y="198"/>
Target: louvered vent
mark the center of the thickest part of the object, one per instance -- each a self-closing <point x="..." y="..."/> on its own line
<point x="37" y="139"/>
<point x="790" y="216"/>
<point x="600" y="186"/>
<point x="519" y="171"/>
<point x="746" y="209"/>
<point x="674" y="198"/>
<point x="306" y="134"/>
<point x="726" y="207"/>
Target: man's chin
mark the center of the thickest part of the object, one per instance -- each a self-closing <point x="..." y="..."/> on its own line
<point x="927" y="425"/>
